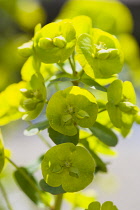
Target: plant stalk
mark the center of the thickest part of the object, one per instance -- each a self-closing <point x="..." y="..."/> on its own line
<point x="72" y="67"/>
<point x="43" y="140"/>
<point x="5" y="197"/>
<point x="58" y="202"/>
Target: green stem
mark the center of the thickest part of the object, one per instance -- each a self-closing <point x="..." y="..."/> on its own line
<point x="73" y="54"/>
<point x="102" y="110"/>
<point x="61" y="67"/>
<point x="58" y="202"/>
<point x="5" y="197"/>
<point x="43" y="140"/>
<point x="41" y="136"/>
<point x="72" y="67"/>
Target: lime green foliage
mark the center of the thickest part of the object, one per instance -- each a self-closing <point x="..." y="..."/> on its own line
<point x="68" y="165"/>
<point x="55" y="42"/>
<point x="34" y="97"/>
<point x="111" y="16"/>
<point x="2" y="158"/>
<point x="10" y="100"/>
<point x="108" y="205"/>
<point x="96" y="144"/>
<point x="75" y="106"/>
<point x="99" y="54"/>
<point x="121" y="105"/>
<point x="29" y="68"/>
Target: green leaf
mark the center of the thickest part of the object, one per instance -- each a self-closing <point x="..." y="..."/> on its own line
<point x="55" y="42"/>
<point x="99" y="147"/>
<point x="35" y="128"/>
<point x="59" y="138"/>
<point x="114" y="92"/>
<point x="70" y="101"/>
<point x="104" y="134"/>
<point x="92" y="83"/>
<point x="100" y="165"/>
<point x="31" y="189"/>
<point x="52" y="190"/>
<point x="2" y="156"/>
<point x="63" y="159"/>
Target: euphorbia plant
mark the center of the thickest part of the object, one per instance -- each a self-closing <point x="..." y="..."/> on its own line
<point x="71" y="88"/>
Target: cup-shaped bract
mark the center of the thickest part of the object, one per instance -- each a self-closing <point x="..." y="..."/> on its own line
<point x="34" y="97"/>
<point x="71" y="107"/>
<point x="55" y="42"/>
<point x="121" y="104"/>
<point x="99" y="54"/>
<point x="68" y="165"/>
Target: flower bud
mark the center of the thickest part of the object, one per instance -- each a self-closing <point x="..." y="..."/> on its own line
<point x="81" y="114"/>
<point x="127" y="107"/>
<point x="25" y="50"/>
<point x="29" y="104"/>
<point x="59" y="41"/>
<point x="27" y="93"/>
<point x="45" y="43"/>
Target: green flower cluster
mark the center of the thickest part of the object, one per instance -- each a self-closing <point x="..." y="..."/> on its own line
<point x="72" y="62"/>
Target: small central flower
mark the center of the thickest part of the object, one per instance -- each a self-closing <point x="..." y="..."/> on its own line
<point x="67" y="164"/>
<point x="70" y="109"/>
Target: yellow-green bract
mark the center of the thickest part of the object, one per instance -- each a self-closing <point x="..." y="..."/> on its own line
<point x="68" y="165"/>
<point x="121" y="105"/>
<point x="99" y="54"/>
<point x="55" y="42"/>
<point x="108" y="205"/>
<point x="71" y="107"/>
